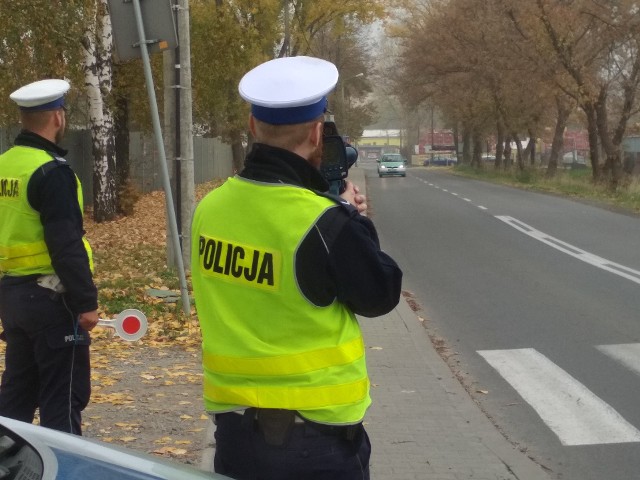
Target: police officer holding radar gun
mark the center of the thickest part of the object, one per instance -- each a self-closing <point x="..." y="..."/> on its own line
<point x="48" y="300"/>
<point x="280" y="268"/>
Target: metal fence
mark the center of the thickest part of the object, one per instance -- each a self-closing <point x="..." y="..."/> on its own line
<point x="212" y="159"/>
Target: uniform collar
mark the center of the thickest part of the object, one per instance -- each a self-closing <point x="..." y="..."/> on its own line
<point x="27" y="138"/>
<point x="276" y="165"/>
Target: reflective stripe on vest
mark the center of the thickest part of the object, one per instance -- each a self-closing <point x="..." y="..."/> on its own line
<point x="292" y="398"/>
<point x="24" y="256"/>
<point x="286" y="364"/>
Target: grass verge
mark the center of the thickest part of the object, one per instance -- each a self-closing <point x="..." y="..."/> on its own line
<point x="570" y="183"/>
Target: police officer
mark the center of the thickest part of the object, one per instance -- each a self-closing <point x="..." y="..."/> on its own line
<point x="48" y="301"/>
<point x="279" y="271"/>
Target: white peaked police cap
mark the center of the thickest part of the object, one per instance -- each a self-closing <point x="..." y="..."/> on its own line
<point x="41" y="95"/>
<point x="289" y="90"/>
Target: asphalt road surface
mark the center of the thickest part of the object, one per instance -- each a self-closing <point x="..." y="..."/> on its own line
<point x="539" y="298"/>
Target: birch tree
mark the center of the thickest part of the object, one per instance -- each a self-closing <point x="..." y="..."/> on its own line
<point x="65" y="39"/>
<point x="98" y="72"/>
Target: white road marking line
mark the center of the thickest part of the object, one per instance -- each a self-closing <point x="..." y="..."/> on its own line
<point x="571" y="410"/>
<point x="445" y="190"/>
<point x="482" y="208"/>
<point x="603" y="263"/>
<point x="628" y="354"/>
<point x="466" y="199"/>
<point x="453" y="193"/>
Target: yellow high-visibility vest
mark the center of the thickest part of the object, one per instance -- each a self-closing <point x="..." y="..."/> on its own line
<point x="264" y="344"/>
<point x="23" y="250"/>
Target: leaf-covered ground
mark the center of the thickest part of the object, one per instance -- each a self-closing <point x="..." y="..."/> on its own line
<point x="146" y="395"/>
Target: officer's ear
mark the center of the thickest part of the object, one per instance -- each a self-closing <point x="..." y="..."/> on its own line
<point x="252" y="125"/>
<point x="58" y="117"/>
<point x="315" y="135"/>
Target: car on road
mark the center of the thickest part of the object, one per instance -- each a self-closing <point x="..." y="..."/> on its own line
<point x="37" y="453"/>
<point x="440" y="160"/>
<point x="392" y="164"/>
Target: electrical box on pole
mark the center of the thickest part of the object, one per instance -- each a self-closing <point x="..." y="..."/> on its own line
<point x="160" y="33"/>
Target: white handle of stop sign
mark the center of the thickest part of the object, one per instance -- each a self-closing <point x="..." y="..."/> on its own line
<point x="129" y="324"/>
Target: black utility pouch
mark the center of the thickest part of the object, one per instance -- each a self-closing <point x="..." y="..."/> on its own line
<point x="275" y="425"/>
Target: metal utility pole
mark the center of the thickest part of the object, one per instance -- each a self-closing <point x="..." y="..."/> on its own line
<point x="170" y="127"/>
<point x="178" y="130"/>
<point x="184" y="155"/>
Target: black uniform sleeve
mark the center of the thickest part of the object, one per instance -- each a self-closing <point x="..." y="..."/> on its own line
<point x="54" y="195"/>
<point x="368" y="280"/>
<point x="340" y="259"/>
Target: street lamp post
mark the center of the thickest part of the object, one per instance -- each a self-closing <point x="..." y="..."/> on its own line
<point x="342" y="101"/>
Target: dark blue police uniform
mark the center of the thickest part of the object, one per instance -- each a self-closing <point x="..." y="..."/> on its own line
<point x="47" y="356"/>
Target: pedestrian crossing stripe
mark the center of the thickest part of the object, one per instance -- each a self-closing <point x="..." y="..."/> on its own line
<point x="628" y="354"/>
<point x="574" y="413"/>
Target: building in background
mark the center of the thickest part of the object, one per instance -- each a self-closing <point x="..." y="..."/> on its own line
<point x="374" y="143"/>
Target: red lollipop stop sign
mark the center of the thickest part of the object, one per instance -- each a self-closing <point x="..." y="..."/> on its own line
<point x="130" y="324"/>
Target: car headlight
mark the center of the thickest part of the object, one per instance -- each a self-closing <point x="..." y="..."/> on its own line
<point x="382" y="167"/>
<point x="401" y="167"/>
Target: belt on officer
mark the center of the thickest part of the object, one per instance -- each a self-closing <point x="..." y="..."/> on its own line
<point x="11" y="280"/>
<point x="275" y="424"/>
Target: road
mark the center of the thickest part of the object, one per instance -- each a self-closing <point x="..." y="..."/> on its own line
<point x="538" y="297"/>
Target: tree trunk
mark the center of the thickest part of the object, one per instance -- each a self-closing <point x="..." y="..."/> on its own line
<point x="476" y="160"/>
<point x="98" y="67"/>
<point x="456" y="142"/>
<point x="592" y="131"/>
<point x="612" y="169"/>
<point x="530" y="151"/>
<point x="499" y="145"/>
<point x="519" y="156"/>
<point x="466" y="146"/>
<point x="507" y="152"/>
<point x="558" y="137"/>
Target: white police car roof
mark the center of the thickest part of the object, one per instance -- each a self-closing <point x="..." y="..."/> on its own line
<point x="289" y="82"/>
<point x="43" y="93"/>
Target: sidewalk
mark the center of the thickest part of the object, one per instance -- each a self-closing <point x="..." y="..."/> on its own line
<point x="423" y="425"/>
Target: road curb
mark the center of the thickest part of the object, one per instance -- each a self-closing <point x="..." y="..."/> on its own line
<point x="209" y="450"/>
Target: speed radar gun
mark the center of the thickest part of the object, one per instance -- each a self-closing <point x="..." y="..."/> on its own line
<point x="129" y="324"/>
<point x="337" y="158"/>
